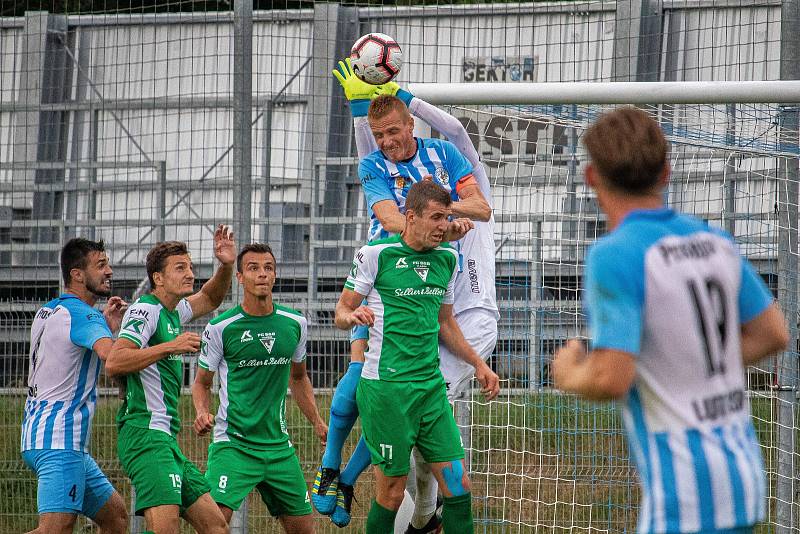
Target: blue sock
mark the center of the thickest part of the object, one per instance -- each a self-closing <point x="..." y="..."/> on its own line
<point x="359" y="461"/>
<point x="344" y="413"/>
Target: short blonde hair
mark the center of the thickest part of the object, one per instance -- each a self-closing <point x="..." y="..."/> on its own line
<point x="386" y="104"/>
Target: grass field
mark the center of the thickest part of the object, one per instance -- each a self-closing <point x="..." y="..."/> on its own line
<point x="540" y="463"/>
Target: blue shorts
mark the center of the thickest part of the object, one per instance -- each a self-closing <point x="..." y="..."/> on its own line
<point x="69" y="481"/>
<point x="359" y="332"/>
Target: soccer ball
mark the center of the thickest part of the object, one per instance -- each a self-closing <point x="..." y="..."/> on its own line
<point x="376" y="58"/>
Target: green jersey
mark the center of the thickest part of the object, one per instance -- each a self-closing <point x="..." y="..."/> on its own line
<point x="405" y="289"/>
<point x="253" y="356"/>
<point x="152" y="398"/>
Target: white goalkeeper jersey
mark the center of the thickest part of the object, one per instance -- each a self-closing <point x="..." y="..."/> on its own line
<point x="475" y="283"/>
<point x="673" y="292"/>
<point x="62" y="376"/>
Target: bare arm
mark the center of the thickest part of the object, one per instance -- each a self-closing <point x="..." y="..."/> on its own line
<point x="472" y="204"/>
<point x="766" y="334"/>
<point x="214" y="290"/>
<point x="303" y="393"/>
<point x="451" y="336"/>
<point x="389" y="216"/>
<point x="393" y="221"/>
<point x="201" y="398"/>
<point x="350" y="312"/>
<point x="126" y="357"/>
<point x="603" y="374"/>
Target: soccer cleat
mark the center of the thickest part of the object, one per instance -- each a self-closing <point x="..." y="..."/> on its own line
<point x="433" y="526"/>
<point x="323" y="493"/>
<point x="344" y="502"/>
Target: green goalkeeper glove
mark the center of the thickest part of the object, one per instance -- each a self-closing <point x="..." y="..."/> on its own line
<point x="393" y="89"/>
<point x="357" y="91"/>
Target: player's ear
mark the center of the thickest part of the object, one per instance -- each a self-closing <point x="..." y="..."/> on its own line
<point x="663" y="180"/>
<point x="76" y="275"/>
<point x="158" y="279"/>
<point x="591" y="175"/>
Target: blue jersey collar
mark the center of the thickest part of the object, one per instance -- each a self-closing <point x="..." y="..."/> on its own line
<point x="659" y="213"/>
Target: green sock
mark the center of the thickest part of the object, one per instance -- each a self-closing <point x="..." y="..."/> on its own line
<point x="380" y="520"/>
<point x="457" y="514"/>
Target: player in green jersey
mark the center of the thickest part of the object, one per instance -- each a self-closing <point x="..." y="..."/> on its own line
<point x="408" y="282"/>
<point x="149" y="351"/>
<point x="258" y="348"/>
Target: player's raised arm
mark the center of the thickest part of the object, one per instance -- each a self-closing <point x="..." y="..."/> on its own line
<point x="214" y="290"/>
<point x="359" y="94"/>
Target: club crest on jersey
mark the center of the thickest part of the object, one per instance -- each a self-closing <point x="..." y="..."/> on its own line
<point x="399" y="182"/>
<point x="401" y="264"/>
<point x="246" y="336"/>
<point x="172" y="330"/>
<point x="268" y="340"/>
<point x="441" y="175"/>
<point x="421" y="268"/>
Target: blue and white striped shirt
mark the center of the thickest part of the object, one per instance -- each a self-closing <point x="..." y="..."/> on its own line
<point x="673" y="292"/>
<point x="63" y="372"/>
<point x="383" y="179"/>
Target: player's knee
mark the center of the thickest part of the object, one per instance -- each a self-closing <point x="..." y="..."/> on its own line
<point x="115" y="524"/>
<point x="393" y="497"/>
<point x="114" y="518"/>
<point x="166" y="526"/>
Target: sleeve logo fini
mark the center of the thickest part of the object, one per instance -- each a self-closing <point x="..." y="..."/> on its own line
<point x="134" y="325"/>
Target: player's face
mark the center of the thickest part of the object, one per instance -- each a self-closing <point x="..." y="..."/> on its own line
<point x="258" y="274"/>
<point x="98" y="274"/>
<point x="177" y="276"/>
<point x="394" y="134"/>
<point x="430" y="226"/>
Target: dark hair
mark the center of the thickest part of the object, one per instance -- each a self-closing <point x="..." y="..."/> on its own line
<point x="385" y="104"/>
<point x="75" y="254"/>
<point x="258" y="248"/>
<point x="628" y="149"/>
<point x="422" y="193"/>
<point x="157" y="257"/>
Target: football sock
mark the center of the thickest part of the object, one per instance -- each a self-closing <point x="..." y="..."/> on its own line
<point x="380" y="520"/>
<point x="344" y="413"/>
<point x="457" y="514"/>
<point x="358" y="462"/>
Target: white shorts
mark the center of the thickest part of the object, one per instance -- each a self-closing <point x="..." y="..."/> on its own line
<point x="479" y="327"/>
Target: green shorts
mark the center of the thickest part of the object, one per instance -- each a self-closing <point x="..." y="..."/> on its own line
<point x="158" y="470"/>
<point x="233" y="472"/>
<point x="398" y="416"/>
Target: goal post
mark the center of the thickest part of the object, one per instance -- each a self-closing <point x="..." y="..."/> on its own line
<point x="551" y="462"/>
<point x="765" y="92"/>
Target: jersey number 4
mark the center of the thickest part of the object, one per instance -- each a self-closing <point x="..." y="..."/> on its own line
<point x="711" y="314"/>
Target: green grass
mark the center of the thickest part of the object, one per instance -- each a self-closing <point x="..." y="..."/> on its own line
<point x="540" y="459"/>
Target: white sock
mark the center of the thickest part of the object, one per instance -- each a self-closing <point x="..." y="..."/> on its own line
<point x="426" y="490"/>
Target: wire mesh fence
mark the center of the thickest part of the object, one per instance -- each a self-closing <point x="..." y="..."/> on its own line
<point x="138" y="127"/>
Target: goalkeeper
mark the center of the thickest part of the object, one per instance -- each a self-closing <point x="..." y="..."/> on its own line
<point x="392" y="159"/>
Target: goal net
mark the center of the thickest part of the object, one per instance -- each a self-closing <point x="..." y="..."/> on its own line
<point x="546" y="462"/>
